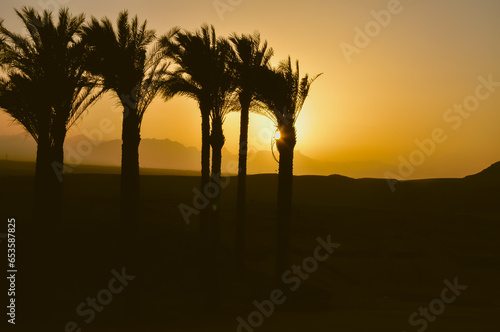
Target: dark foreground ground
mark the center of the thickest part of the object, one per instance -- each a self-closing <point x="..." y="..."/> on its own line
<point x="396" y="250"/>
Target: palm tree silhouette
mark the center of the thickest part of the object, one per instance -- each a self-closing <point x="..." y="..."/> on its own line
<point x="249" y="57"/>
<point x="24" y="100"/>
<point x="46" y="90"/>
<point x="204" y="74"/>
<point x="284" y="92"/>
<point x="201" y="75"/>
<point x="224" y="102"/>
<point x="120" y="57"/>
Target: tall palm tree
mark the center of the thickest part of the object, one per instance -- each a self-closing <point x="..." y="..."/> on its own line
<point x="21" y="98"/>
<point x="284" y="93"/>
<point x="121" y="58"/>
<point x="203" y="75"/>
<point x="224" y="101"/>
<point x="225" y="105"/>
<point x="46" y="89"/>
<point x="250" y="56"/>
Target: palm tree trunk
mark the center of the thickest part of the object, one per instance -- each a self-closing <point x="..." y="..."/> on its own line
<point x="242" y="183"/>
<point x="131" y="139"/>
<point x="42" y="173"/>
<point x="53" y="229"/>
<point x="205" y="175"/>
<point x="129" y="200"/>
<point x="129" y="249"/>
<point x="56" y="174"/>
<point x="286" y="145"/>
<point x="42" y="170"/>
<point x="217" y="142"/>
<point x="45" y="232"/>
<point x="216" y="179"/>
<point x="37" y="235"/>
<point x="205" y="271"/>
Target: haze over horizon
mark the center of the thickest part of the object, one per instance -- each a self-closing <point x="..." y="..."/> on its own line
<point x="381" y="92"/>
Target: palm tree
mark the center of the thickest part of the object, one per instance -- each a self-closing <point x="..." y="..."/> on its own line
<point x="22" y="98"/>
<point x="249" y="58"/>
<point x="224" y="101"/>
<point x="284" y="93"/>
<point x="46" y="89"/>
<point x="225" y="104"/>
<point x="203" y="75"/>
<point x="120" y="57"/>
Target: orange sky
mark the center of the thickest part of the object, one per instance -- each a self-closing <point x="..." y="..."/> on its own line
<point x="394" y="89"/>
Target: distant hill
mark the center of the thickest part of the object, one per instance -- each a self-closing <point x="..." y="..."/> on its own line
<point x="171" y="155"/>
<point x="10" y="168"/>
<point x="491" y="172"/>
<point x="490" y="175"/>
<point x="79" y="150"/>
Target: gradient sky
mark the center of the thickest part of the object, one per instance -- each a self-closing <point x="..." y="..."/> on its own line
<point x="392" y="92"/>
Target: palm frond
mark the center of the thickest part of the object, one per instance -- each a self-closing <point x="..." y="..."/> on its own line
<point x="47" y="86"/>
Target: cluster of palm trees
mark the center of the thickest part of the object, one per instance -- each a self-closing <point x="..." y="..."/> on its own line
<point x="59" y="69"/>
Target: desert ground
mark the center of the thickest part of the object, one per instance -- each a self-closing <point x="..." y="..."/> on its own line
<point x="396" y="250"/>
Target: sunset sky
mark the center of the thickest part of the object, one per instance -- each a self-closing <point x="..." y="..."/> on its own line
<point x="379" y="92"/>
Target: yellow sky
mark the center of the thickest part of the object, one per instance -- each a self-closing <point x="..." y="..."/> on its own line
<point x="373" y="104"/>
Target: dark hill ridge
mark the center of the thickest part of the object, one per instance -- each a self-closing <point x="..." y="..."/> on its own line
<point x="396" y="248"/>
<point x="492" y="172"/>
<point x="479" y="193"/>
<point x="476" y="194"/>
<point x="13" y="167"/>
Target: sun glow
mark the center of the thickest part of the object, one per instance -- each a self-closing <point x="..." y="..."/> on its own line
<point x="405" y="93"/>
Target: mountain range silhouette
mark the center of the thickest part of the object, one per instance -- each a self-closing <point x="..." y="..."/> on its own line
<point x="167" y="154"/>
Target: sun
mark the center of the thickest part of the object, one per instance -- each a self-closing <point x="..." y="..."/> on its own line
<point x="277" y="135"/>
